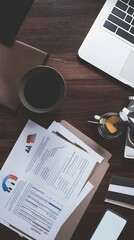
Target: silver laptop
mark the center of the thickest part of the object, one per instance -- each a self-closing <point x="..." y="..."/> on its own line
<point x="109" y="44"/>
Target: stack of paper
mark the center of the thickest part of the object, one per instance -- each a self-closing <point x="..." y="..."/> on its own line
<point x="44" y="179"/>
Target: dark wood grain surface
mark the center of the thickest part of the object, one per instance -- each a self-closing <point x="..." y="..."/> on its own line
<point x="59" y="27"/>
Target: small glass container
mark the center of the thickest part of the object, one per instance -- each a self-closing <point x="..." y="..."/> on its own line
<point x="130" y="134"/>
<point x="110" y="125"/>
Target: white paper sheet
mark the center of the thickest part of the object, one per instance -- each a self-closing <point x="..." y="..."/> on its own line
<point x="41" y="179"/>
<point x="57" y="127"/>
<point x="85" y="191"/>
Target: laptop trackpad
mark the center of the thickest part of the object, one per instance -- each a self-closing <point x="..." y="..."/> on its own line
<point x="127" y="71"/>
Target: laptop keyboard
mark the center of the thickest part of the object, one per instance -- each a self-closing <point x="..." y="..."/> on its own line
<point x="121" y="20"/>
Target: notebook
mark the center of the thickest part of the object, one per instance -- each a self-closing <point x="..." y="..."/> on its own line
<point x="109" y="44"/>
<point x="12" y="15"/>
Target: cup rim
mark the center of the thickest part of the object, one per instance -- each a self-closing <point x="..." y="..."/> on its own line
<point x="25" y="78"/>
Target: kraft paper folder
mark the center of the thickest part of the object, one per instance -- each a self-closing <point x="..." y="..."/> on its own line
<point x="71" y="223"/>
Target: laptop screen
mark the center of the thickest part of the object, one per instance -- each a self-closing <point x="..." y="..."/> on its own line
<point x="12" y="14"/>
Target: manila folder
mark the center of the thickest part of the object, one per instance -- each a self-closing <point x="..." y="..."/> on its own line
<point x="71" y="223"/>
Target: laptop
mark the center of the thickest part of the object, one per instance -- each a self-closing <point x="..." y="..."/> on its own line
<point x="109" y="44"/>
<point x="12" y="15"/>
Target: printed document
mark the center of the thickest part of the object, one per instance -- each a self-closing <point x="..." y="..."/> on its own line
<point x="40" y="181"/>
<point x="58" y="128"/>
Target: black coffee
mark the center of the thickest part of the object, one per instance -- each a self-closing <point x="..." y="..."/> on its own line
<point x="42" y="91"/>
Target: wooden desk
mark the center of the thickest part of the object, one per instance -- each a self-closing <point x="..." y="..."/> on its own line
<point x="59" y="27"/>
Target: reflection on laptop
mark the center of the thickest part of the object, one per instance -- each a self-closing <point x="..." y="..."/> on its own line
<point x="109" y="45"/>
<point x="12" y="14"/>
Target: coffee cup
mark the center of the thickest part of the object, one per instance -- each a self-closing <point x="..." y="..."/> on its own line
<point x="42" y="89"/>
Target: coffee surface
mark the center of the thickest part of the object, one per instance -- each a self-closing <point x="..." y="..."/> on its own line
<point x="41" y="91"/>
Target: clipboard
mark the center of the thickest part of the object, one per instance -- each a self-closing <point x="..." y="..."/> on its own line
<point x="71" y="223"/>
<point x="14" y="62"/>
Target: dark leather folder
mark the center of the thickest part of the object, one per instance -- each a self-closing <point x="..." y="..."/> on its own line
<point x="14" y="62"/>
